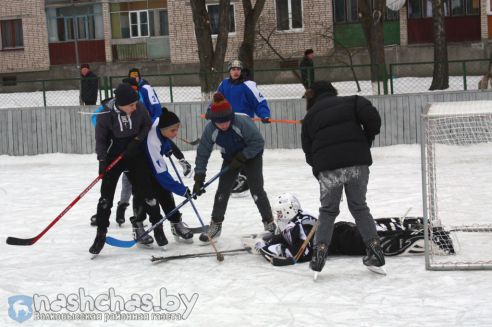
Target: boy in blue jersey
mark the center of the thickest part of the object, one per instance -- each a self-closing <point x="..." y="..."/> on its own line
<point x="157" y="144"/>
<point x="244" y="97"/>
<point x="147" y="94"/>
<point x="241" y="146"/>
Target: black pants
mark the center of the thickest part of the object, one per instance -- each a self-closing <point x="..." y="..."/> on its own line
<point x="253" y="170"/>
<point x="164" y="198"/>
<point x="139" y="175"/>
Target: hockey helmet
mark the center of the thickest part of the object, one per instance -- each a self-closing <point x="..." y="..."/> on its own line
<point x="234" y="64"/>
<point x="285" y="207"/>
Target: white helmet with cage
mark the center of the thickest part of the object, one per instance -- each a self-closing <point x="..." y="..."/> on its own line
<point x="285" y="207"/>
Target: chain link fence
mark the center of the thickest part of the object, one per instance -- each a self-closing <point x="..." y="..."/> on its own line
<point x="272" y="83"/>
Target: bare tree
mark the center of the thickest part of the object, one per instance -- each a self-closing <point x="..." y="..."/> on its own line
<point x="211" y="61"/>
<point x="372" y="18"/>
<point x="265" y="35"/>
<point x="251" y="17"/>
<point x="342" y="54"/>
<point x="440" y="77"/>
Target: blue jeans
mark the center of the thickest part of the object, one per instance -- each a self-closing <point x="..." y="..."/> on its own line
<point x="332" y="182"/>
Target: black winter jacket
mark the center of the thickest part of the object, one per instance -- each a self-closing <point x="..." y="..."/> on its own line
<point x="89" y="87"/>
<point x="338" y="131"/>
<point x="115" y="129"/>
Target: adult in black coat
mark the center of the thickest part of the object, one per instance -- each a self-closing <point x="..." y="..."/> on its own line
<point x="89" y="85"/>
<point x="337" y="133"/>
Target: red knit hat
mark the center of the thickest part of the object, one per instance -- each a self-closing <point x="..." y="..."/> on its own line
<point x="220" y="109"/>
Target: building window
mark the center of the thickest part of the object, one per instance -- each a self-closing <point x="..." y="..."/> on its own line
<point x="423" y="8"/>
<point x="139" y="19"/>
<point x="289" y="14"/>
<point x="74" y="22"/>
<point x="11" y="32"/>
<point x="346" y="11"/>
<point x="213" y="15"/>
<point x="139" y="23"/>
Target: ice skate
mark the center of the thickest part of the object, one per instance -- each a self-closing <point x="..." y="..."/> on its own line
<point x="374" y="260"/>
<point x="139" y="231"/>
<point x="160" y="237"/>
<point x="181" y="232"/>
<point x="213" y="232"/>
<point x="98" y="244"/>
<point x="241" y="187"/>
<point x="318" y="260"/>
<point x="120" y="213"/>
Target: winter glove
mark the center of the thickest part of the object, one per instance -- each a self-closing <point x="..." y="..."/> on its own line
<point x="266" y="120"/>
<point x="133" y="149"/>
<point x="102" y="166"/>
<point x="187" y="171"/>
<point x="168" y="153"/>
<point x="237" y="162"/>
<point x="188" y="194"/>
<point x="199" y="181"/>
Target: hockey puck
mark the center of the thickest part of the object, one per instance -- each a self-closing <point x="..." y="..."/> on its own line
<point x="220" y="257"/>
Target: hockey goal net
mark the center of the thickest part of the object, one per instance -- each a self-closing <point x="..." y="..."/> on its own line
<point x="457" y="184"/>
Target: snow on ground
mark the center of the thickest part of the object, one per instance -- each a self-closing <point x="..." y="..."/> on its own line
<point x="270" y="91"/>
<point x="244" y="290"/>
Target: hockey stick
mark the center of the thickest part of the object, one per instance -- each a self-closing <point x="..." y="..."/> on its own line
<point x="195" y="142"/>
<point x="31" y="241"/>
<point x="220" y="257"/>
<point x="284" y="121"/>
<point x="281" y="261"/>
<point x="199" y="255"/>
<point x="128" y="244"/>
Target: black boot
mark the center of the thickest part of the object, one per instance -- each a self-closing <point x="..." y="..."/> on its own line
<point x="159" y="236"/>
<point x="139" y="231"/>
<point x="213" y="232"/>
<point x="98" y="242"/>
<point x="319" y="257"/>
<point x="120" y="212"/>
<point x="375" y="255"/>
<point x="181" y="232"/>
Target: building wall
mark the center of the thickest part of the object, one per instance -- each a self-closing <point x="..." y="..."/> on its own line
<point x="35" y="55"/>
<point x="288" y="44"/>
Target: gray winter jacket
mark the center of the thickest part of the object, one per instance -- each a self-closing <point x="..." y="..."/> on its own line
<point x="115" y="129"/>
<point x="243" y="136"/>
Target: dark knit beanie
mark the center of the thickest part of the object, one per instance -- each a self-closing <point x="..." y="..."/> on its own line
<point x="321" y="87"/>
<point x="125" y="94"/>
<point x="220" y="109"/>
<point x="167" y="119"/>
<point x="133" y="70"/>
<point x="85" y="66"/>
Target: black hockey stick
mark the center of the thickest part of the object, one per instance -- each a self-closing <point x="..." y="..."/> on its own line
<point x="199" y="255"/>
<point x="195" y="142"/>
<point x="220" y="257"/>
<point x="30" y="241"/>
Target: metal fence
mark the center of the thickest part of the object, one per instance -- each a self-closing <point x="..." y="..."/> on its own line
<point x="273" y="83"/>
<point x="30" y="131"/>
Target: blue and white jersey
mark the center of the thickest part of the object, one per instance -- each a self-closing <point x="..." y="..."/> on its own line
<point x="149" y="98"/>
<point x="155" y="147"/>
<point x="245" y="98"/>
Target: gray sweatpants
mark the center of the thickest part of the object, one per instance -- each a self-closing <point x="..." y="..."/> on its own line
<point x="126" y="189"/>
<point x="253" y="170"/>
<point x="332" y="182"/>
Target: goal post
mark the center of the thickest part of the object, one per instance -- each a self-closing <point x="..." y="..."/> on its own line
<point x="456" y="157"/>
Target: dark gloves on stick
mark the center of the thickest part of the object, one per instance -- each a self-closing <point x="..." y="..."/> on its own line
<point x="266" y="120"/>
<point x="187" y="171"/>
<point x="198" y="187"/>
<point x="237" y="162"/>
